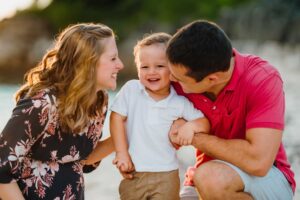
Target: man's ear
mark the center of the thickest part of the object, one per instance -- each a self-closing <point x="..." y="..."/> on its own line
<point x="213" y="78"/>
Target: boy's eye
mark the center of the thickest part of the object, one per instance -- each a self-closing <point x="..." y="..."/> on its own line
<point x="160" y="66"/>
<point x="144" y="67"/>
<point x="114" y="58"/>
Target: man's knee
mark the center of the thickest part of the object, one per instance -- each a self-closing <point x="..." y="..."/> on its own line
<point x="205" y="177"/>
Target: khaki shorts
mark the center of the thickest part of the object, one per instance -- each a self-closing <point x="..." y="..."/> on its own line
<point x="151" y="186"/>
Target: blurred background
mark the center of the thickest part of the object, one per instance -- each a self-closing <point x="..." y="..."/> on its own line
<point x="268" y="28"/>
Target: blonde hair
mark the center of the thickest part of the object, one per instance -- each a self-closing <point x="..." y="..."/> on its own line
<point x="150" y="39"/>
<point x="69" y="68"/>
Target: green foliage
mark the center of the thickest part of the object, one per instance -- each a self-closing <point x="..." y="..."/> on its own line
<point x="125" y="16"/>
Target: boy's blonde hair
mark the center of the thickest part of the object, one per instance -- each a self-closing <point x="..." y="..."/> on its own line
<point x="150" y="39"/>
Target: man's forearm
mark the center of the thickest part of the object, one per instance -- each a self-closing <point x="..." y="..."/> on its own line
<point x="241" y="153"/>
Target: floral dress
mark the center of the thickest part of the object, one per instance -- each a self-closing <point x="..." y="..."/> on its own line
<point x="39" y="156"/>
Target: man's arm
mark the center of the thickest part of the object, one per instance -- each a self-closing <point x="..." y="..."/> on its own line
<point x="255" y="155"/>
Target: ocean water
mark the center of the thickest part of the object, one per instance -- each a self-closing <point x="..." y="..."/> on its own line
<point x="6" y="102"/>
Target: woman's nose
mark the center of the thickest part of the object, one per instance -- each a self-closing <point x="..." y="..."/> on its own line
<point x="120" y="65"/>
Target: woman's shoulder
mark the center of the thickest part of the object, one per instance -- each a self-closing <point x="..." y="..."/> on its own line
<point x="44" y="97"/>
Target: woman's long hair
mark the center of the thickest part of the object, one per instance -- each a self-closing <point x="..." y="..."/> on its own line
<point x="70" y="70"/>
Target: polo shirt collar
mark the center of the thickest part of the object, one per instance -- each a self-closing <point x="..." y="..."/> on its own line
<point x="162" y="103"/>
<point x="237" y="71"/>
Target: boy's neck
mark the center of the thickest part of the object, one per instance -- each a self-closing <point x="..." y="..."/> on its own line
<point x="158" y="95"/>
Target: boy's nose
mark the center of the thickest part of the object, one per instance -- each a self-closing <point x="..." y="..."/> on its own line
<point x="152" y="70"/>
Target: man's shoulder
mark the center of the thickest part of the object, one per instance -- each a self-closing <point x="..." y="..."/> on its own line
<point x="257" y="70"/>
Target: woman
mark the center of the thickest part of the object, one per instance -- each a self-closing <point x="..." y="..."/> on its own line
<point x="59" y="117"/>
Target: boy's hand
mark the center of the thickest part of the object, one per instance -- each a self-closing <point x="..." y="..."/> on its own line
<point x="128" y="174"/>
<point x="123" y="162"/>
<point x="174" y="132"/>
<point x="186" y="134"/>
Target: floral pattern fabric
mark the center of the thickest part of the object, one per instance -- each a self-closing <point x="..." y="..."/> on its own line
<point x="39" y="156"/>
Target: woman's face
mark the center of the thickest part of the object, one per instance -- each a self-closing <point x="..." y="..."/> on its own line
<point x="109" y="64"/>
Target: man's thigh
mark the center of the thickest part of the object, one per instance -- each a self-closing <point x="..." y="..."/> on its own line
<point x="272" y="186"/>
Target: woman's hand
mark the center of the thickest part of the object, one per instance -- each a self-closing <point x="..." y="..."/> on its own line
<point x="10" y="191"/>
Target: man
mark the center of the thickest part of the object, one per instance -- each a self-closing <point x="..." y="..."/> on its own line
<point x="242" y="96"/>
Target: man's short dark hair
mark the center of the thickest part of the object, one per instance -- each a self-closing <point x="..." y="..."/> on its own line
<point x="202" y="47"/>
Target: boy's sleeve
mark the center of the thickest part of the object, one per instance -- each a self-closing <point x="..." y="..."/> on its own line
<point x="27" y="123"/>
<point x="189" y="112"/>
<point x="120" y="103"/>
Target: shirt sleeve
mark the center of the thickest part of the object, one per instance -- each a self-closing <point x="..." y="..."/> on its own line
<point x="121" y="101"/>
<point x="26" y="124"/>
<point x="266" y="105"/>
<point x="92" y="167"/>
<point x="189" y="112"/>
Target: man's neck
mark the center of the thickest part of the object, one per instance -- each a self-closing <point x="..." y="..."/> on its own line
<point x="224" y="80"/>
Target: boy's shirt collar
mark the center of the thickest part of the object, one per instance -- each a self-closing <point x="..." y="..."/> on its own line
<point x="161" y="103"/>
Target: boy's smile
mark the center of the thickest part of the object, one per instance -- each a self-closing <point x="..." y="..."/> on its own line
<point x="153" y="69"/>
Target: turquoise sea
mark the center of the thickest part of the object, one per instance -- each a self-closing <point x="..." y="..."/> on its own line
<point x="6" y="102"/>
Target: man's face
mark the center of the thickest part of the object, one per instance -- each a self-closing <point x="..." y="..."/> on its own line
<point x="188" y="84"/>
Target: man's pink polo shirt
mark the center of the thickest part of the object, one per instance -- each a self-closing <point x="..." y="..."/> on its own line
<point x="253" y="98"/>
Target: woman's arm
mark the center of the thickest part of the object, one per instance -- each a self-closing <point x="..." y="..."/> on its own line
<point x="10" y="191"/>
<point x="103" y="149"/>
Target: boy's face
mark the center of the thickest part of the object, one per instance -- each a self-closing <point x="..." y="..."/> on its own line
<point x="153" y="70"/>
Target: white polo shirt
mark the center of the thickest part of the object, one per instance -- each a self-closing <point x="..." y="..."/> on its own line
<point x="148" y="123"/>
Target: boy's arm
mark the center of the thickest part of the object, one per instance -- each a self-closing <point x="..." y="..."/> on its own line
<point x="103" y="149"/>
<point x="200" y="125"/>
<point x="118" y="133"/>
<point x="117" y="130"/>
